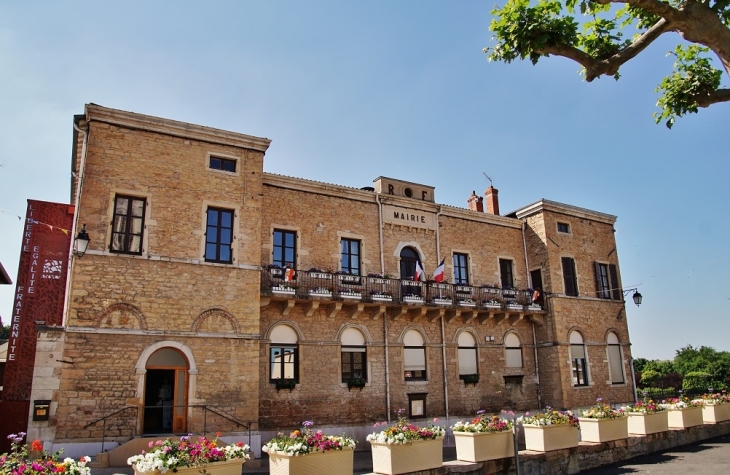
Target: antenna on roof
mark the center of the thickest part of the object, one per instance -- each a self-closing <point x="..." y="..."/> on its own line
<point x="490" y="180"/>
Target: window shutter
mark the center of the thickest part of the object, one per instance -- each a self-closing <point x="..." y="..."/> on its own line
<point x="613" y="274"/>
<point x="571" y="287"/>
<point x="599" y="287"/>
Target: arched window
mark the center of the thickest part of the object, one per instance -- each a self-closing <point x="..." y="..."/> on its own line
<point x="615" y="362"/>
<point x="578" y="360"/>
<point x="353" y="355"/>
<point x="283" y="353"/>
<point x="408" y="259"/>
<point x="414" y="356"/>
<point x="467" y="355"/>
<point x="512" y="351"/>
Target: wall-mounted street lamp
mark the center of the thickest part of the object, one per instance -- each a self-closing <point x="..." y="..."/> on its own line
<point x="81" y="242"/>
<point x="637" y="297"/>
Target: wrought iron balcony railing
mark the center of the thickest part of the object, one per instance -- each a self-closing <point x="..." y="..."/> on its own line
<point x="387" y="291"/>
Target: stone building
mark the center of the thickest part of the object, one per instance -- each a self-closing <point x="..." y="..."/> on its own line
<point x="216" y="297"/>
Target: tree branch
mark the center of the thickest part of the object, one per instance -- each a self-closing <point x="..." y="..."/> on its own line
<point x="656" y="7"/>
<point x="611" y="65"/>
<point x="720" y="95"/>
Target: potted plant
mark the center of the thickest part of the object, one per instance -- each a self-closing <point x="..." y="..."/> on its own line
<point x="284" y="289"/>
<point x="404" y="447"/>
<point x="466" y="302"/>
<point x="716" y="408"/>
<point x="321" y="292"/>
<point x="646" y="417"/>
<point x="412" y="298"/>
<point x="491" y="303"/>
<point x="285" y="383"/>
<point x="470" y="379"/>
<point x="381" y="295"/>
<point x="306" y="451"/>
<point x="683" y="412"/>
<point x="188" y="457"/>
<point x="23" y="460"/>
<point x="550" y="430"/>
<point x="602" y="423"/>
<point x="484" y="438"/>
<point x="356" y="383"/>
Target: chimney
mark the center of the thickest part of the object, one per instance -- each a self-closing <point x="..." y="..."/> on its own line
<point x="492" y="200"/>
<point x="476" y="203"/>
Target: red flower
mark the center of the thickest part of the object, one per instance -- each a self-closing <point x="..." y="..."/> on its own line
<point x="37" y="445"/>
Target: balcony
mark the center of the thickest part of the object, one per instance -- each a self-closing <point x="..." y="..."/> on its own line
<point x="373" y="296"/>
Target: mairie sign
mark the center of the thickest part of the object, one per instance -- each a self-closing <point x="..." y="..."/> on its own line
<point x="409" y="217"/>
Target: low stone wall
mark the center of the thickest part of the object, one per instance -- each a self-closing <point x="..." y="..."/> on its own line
<point x="587" y="455"/>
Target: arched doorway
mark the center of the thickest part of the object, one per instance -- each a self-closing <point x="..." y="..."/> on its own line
<point x="165" y="392"/>
<point x="408" y="259"/>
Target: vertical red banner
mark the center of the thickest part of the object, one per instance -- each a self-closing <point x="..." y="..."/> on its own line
<point x="39" y="296"/>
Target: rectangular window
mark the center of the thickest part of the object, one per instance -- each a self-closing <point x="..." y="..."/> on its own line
<point x="461" y="269"/>
<point x="615" y="364"/>
<point x="607" y="281"/>
<point x="128" y="224"/>
<point x="224" y="164"/>
<point x="354" y="363"/>
<point x="578" y="362"/>
<point x="570" y="280"/>
<point x="415" y="363"/>
<point x="603" y="287"/>
<point x="350" y="256"/>
<point x="564" y="228"/>
<point x="467" y="361"/>
<point x="219" y="235"/>
<point x="505" y="271"/>
<point x="285" y="248"/>
<point x="283" y="362"/>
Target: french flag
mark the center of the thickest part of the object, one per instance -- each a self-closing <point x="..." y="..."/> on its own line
<point x="438" y="274"/>
<point x="418" y="275"/>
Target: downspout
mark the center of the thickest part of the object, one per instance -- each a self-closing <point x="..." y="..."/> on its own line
<point x="534" y="334"/>
<point x="385" y="314"/>
<point x="443" y="329"/>
<point x="77" y="199"/>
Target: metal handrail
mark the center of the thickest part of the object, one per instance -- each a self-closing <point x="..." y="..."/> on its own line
<point x="104" y="419"/>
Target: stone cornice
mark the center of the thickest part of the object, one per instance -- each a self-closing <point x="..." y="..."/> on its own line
<point x="96" y="113"/>
<point x="339" y="191"/>
<point x="570" y="210"/>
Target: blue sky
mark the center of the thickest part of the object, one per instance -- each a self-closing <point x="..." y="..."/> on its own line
<point x="349" y="91"/>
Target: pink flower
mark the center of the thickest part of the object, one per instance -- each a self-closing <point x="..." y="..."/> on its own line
<point x="435" y="419"/>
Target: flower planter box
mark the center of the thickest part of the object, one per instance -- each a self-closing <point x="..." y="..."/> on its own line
<point x="490" y="290"/>
<point x="325" y="295"/>
<point x="714" y="413"/>
<point x="645" y="424"/>
<point x="227" y="467"/>
<point x="492" y="305"/>
<point x="413" y="300"/>
<point x="392" y="459"/>
<point x="509" y="293"/>
<point x="320" y="275"/>
<point x="534" y="307"/>
<point x="332" y="462"/>
<point x="350" y="279"/>
<point x="603" y="430"/>
<point x="464" y="289"/>
<point x="276" y="272"/>
<point x="381" y="298"/>
<point x="479" y="447"/>
<point x="377" y="280"/>
<point x="283" y="290"/>
<point x="461" y="303"/>
<point x="442" y="301"/>
<point x="515" y="306"/>
<point x="351" y="296"/>
<point x="683" y="418"/>
<point x="547" y="438"/>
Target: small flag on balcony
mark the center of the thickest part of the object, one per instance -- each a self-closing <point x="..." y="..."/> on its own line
<point x="289" y="274"/>
<point x="438" y="274"/>
<point x="418" y="275"/>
